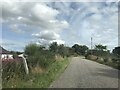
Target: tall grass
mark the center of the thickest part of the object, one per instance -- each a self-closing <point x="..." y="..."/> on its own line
<point x="42" y="65"/>
<point x="15" y="77"/>
<point x="38" y="56"/>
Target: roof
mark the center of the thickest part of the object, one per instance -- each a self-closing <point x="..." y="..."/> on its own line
<point x="3" y="51"/>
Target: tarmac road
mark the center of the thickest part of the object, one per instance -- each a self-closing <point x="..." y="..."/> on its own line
<point x="82" y="73"/>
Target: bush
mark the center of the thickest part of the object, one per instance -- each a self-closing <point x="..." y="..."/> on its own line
<point x="105" y="60"/>
<point x="37" y="55"/>
<point x="115" y="60"/>
<point x="31" y="49"/>
<point x="12" y="69"/>
<point x="92" y="57"/>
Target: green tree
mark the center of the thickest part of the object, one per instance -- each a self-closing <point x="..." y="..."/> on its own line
<point x="75" y="47"/>
<point x="116" y="51"/>
<point x="83" y="49"/>
<point x="80" y="49"/>
<point x="31" y="49"/>
<point x="100" y="47"/>
<point x="37" y="55"/>
<point x="116" y="56"/>
<point x="63" y="50"/>
<point x="54" y="47"/>
<point x="100" y="50"/>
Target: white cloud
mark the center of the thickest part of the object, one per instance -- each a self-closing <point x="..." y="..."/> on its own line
<point x="43" y="12"/>
<point x="58" y="41"/>
<point x="48" y="42"/>
<point x="47" y="35"/>
<point x="49" y="20"/>
<point x="33" y="14"/>
<point x="97" y="20"/>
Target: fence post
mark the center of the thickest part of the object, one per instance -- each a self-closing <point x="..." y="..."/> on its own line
<point x="25" y="63"/>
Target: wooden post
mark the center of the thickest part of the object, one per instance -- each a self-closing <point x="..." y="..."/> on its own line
<point x="1" y="73"/>
<point x="25" y="64"/>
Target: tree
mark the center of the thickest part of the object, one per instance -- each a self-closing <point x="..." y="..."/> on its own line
<point x="76" y="48"/>
<point x="116" y="59"/>
<point x="37" y="55"/>
<point x="31" y="49"/>
<point x="116" y="51"/>
<point x="100" y="50"/>
<point x="100" y="47"/>
<point x="83" y="49"/>
<point x="54" y="47"/>
<point x="80" y="49"/>
<point x="63" y="50"/>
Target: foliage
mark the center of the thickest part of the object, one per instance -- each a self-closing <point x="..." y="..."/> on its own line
<point x="98" y="53"/>
<point x="15" y="55"/>
<point x="60" y="49"/>
<point x="110" y="59"/>
<point x="80" y="49"/>
<point x="116" y="51"/>
<point x="40" y="80"/>
<point x="31" y="49"/>
<point x="116" y="56"/>
<point x="16" y="52"/>
<point x="105" y="60"/>
<point x="54" y="47"/>
<point x="63" y="50"/>
<point x="37" y="55"/>
<point x="12" y="69"/>
<point x="100" y="47"/>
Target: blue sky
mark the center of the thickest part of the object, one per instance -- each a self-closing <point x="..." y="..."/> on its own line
<point x="63" y="22"/>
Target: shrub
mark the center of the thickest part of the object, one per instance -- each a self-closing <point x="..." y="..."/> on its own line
<point x="31" y="49"/>
<point x="92" y="57"/>
<point x="105" y="60"/>
<point x="37" y="55"/>
<point x="114" y="60"/>
<point x="12" y="69"/>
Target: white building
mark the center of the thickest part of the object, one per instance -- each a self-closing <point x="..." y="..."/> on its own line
<point x="4" y="54"/>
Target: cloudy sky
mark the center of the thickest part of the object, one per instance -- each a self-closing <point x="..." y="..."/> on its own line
<point x="63" y="22"/>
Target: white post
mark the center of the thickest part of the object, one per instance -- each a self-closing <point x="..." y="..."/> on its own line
<point x="1" y="72"/>
<point x="25" y="64"/>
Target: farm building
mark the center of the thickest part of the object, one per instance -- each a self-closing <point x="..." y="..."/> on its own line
<point x="4" y="54"/>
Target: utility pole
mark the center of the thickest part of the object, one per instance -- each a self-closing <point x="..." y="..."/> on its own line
<point x="91" y="45"/>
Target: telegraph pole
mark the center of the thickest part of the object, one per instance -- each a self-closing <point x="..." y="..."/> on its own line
<point x="91" y="45"/>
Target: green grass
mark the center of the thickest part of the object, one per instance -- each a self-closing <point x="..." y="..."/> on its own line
<point x="39" y="80"/>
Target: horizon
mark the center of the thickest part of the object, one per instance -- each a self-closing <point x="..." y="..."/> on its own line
<point x="47" y="47"/>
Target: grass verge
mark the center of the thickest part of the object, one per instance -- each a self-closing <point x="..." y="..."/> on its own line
<point x="39" y="80"/>
<point x="111" y="64"/>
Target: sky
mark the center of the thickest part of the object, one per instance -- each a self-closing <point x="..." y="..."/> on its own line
<point x="66" y="23"/>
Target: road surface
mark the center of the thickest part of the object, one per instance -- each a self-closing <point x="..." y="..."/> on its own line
<point x="82" y="73"/>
